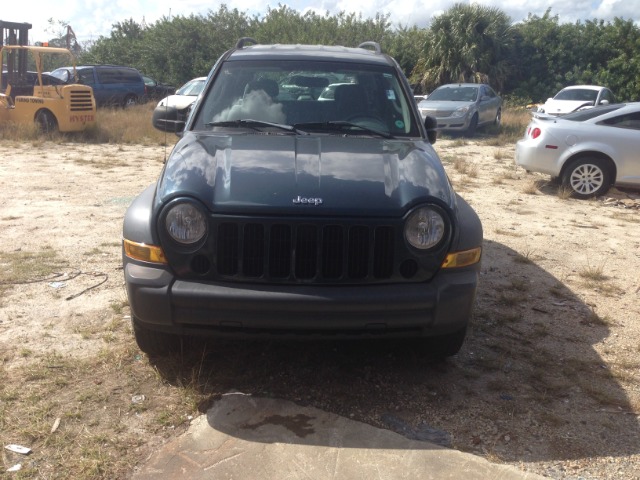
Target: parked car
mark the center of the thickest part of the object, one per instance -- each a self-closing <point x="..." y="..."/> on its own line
<point x="329" y="92"/>
<point x="180" y="103"/>
<point x="463" y="107"/>
<point x="576" y="98"/>
<point x="112" y="84"/>
<point x="155" y="90"/>
<point x="589" y="150"/>
<point x="283" y="216"/>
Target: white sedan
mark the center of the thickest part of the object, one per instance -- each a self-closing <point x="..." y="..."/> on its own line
<point x="185" y="95"/>
<point x="589" y="150"/>
<point x="577" y="97"/>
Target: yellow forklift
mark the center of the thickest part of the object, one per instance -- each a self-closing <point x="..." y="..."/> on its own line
<point x="28" y="96"/>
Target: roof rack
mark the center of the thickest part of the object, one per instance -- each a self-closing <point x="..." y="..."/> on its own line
<point x="375" y="45"/>
<point x="244" y="41"/>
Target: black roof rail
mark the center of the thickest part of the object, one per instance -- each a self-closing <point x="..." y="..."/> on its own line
<point x="375" y="45"/>
<point x="244" y="40"/>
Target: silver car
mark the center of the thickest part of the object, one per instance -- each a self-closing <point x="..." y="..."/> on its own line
<point x="589" y="150"/>
<point x="463" y="107"/>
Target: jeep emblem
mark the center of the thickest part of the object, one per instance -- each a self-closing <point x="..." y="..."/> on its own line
<point x="307" y="201"/>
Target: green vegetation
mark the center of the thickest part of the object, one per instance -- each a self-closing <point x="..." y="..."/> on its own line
<point x="526" y="60"/>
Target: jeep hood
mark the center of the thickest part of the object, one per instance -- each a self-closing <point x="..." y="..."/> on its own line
<point x="306" y="175"/>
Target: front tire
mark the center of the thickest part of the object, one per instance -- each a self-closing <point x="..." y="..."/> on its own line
<point x="587" y="177"/>
<point x="129" y="101"/>
<point x="153" y="342"/>
<point x="46" y="121"/>
<point x="498" y="120"/>
<point x="473" y="125"/>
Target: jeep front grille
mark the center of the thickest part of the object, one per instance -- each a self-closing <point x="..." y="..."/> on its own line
<point x="80" y="101"/>
<point x="290" y="252"/>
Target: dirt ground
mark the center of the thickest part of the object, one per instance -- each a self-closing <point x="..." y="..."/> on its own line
<point x="548" y="379"/>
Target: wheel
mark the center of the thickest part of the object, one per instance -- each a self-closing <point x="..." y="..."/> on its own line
<point x="473" y="125"/>
<point x="46" y="121"/>
<point x="129" y="101"/>
<point x="498" y="120"/>
<point x="587" y="177"/>
<point x="153" y="342"/>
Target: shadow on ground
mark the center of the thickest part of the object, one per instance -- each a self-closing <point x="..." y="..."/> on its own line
<point x="527" y="386"/>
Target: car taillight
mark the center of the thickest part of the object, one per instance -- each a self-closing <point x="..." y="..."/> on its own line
<point x="535" y="133"/>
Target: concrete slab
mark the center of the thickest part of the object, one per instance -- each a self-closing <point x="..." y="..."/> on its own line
<point x="244" y="437"/>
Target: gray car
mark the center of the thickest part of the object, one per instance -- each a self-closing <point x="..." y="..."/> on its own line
<point x="589" y="150"/>
<point x="463" y="107"/>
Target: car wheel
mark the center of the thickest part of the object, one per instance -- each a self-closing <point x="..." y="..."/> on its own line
<point x="46" y="121"/>
<point x="498" y="121"/>
<point x="473" y="125"/>
<point x="129" y="101"/>
<point x="153" y="342"/>
<point x="587" y="177"/>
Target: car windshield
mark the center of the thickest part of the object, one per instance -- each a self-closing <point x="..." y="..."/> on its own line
<point x="577" y="94"/>
<point x="288" y="92"/>
<point x="454" y="94"/>
<point x="191" y="88"/>
<point x="590" y="113"/>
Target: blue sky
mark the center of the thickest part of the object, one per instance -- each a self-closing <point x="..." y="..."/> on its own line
<point x="92" y="18"/>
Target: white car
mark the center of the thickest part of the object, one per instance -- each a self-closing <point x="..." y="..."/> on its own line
<point x="576" y="98"/>
<point x="589" y="150"/>
<point x="185" y="95"/>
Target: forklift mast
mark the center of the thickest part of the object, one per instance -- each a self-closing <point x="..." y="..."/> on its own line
<point x="13" y="33"/>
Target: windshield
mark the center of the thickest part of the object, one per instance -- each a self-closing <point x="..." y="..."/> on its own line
<point x="577" y="94"/>
<point x="290" y="92"/>
<point x="454" y="94"/>
<point x="192" y="87"/>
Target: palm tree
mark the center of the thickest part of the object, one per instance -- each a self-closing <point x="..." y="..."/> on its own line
<point x="467" y="43"/>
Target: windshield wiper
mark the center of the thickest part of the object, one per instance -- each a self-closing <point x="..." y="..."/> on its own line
<point x="343" y="127"/>
<point x="255" y="125"/>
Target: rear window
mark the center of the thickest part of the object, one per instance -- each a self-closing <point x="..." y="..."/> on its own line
<point x="590" y="113"/>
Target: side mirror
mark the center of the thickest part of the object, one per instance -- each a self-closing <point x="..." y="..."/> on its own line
<point x="166" y="119"/>
<point x="431" y="124"/>
<point x="604" y="102"/>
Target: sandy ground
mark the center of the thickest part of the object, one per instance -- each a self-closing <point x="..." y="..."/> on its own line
<point x="553" y="350"/>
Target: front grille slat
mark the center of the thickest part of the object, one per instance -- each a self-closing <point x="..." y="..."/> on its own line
<point x="304" y="252"/>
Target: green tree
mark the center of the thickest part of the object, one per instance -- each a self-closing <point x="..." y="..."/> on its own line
<point x="468" y="42"/>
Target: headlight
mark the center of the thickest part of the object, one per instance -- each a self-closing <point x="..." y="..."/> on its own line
<point x="424" y="228"/>
<point x="186" y="223"/>
<point x="460" y="112"/>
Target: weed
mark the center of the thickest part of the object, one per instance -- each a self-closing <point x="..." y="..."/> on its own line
<point x="564" y="192"/>
<point x="593" y="274"/>
<point x="531" y="188"/>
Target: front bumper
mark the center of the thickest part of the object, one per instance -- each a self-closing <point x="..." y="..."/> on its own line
<point x="162" y="302"/>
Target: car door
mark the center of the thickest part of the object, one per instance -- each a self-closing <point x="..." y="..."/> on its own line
<point x="622" y="134"/>
<point x="486" y="108"/>
<point x="86" y="76"/>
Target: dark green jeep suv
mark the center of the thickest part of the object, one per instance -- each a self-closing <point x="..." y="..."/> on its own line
<point x="283" y="212"/>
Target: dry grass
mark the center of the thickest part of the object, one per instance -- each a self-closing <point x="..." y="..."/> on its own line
<point x="114" y="125"/>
